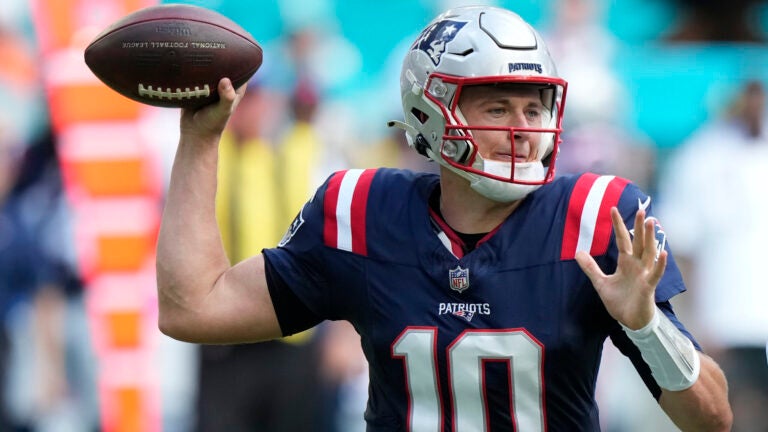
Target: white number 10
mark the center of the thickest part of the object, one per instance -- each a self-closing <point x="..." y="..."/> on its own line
<point x="467" y="355"/>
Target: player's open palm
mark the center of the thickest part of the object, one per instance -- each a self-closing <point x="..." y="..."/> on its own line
<point x="628" y="294"/>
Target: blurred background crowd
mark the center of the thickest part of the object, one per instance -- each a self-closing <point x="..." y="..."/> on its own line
<point x="667" y="93"/>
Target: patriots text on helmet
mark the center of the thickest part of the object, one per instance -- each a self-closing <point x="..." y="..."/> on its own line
<point x="514" y="67"/>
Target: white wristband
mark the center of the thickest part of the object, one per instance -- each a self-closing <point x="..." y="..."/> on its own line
<point x="673" y="359"/>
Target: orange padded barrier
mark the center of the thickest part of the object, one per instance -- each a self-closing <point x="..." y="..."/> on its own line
<point x="113" y="183"/>
<point x="124" y="252"/>
<point x="78" y="102"/>
<point x="111" y="177"/>
<point x="124" y="328"/>
<point x="129" y="409"/>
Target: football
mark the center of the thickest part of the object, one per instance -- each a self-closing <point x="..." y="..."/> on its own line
<point x="173" y="55"/>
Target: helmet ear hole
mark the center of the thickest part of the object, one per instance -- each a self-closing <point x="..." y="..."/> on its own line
<point x="420" y="115"/>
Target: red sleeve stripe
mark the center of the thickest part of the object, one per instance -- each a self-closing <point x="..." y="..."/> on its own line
<point x="345" y="205"/>
<point x="573" y="218"/>
<point x="588" y="222"/>
<point x="330" y="200"/>
<point x="603" y="224"/>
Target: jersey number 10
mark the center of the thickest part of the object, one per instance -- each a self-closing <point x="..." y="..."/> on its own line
<point x="466" y="357"/>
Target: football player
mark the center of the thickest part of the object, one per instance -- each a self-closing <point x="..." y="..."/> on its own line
<point x="482" y="296"/>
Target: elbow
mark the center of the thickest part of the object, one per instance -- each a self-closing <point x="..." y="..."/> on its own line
<point x="176" y="317"/>
<point x="175" y="326"/>
<point x="169" y="327"/>
<point x="165" y="325"/>
<point x="177" y="331"/>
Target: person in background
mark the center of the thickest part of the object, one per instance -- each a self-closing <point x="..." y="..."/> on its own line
<point x="712" y="196"/>
<point x="31" y="302"/>
<point x="48" y="365"/>
<point x="482" y="295"/>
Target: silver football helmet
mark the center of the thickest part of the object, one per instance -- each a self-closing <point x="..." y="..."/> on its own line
<point x="479" y="45"/>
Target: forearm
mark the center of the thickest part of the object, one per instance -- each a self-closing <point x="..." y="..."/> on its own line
<point x="190" y="254"/>
<point x="201" y="297"/>
<point x="694" y="391"/>
<point x="704" y="406"/>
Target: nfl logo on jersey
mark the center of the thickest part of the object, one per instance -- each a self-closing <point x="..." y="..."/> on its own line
<point x="459" y="278"/>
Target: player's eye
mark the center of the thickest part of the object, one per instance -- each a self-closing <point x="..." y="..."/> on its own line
<point x="533" y="114"/>
<point x="497" y="111"/>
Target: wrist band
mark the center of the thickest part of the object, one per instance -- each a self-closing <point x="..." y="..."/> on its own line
<point x="673" y="359"/>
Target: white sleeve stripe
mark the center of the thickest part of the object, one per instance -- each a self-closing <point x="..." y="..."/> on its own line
<point x="344" y="209"/>
<point x="590" y="211"/>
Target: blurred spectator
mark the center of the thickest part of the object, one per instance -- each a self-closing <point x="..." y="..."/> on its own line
<point x="312" y="50"/>
<point x="345" y="376"/>
<point x="270" y="386"/>
<point x="301" y="155"/>
<point x="67" y="398"/>
<point x="584" y="50"/>
<point x="31" y="303"/>
<point x="713" y="196"/>
<point x="47" y="361"/>
<point x="717" y="21"/>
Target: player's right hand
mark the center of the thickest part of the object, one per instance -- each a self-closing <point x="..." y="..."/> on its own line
<point x="628" y="294"/>
<point x="209" y="121"/>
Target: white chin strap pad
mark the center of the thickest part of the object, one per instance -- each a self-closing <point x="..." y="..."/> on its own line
<point x="673" y="359"/>
<point x="500" y="191"/>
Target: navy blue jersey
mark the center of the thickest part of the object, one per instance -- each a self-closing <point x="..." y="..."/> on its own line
<point x="506" y="337"/>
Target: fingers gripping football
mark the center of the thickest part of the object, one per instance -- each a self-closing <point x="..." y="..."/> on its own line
<point x="211" y="120"/>
<point x="628" y="294"/>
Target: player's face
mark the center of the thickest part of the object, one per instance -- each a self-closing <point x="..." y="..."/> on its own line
<point x="516" y="106"/>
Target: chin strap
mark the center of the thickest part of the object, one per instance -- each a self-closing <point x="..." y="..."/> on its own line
<point x="673" y="360"/>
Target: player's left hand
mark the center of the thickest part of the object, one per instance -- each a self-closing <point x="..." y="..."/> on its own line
<point x="628" y="294"/>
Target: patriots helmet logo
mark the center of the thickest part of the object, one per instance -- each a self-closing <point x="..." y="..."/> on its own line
<point x="435" y="37"/>
<point x="467" y="315"/>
